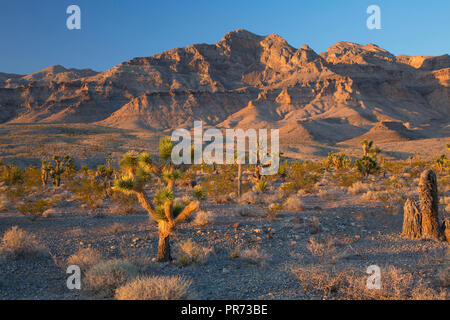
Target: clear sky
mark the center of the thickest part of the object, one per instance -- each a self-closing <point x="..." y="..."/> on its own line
<point x="33" y="33"/>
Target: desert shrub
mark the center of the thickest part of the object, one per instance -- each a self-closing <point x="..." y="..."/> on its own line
<point x="115" y="228"/>
<point x="273" y="210"/>
<point x="4" y="202"/>
<point x="249" y="197"/>
<point x="303" y="175"/>
<point x="283" y="169"/>
<point x="243" y="210"/>
<point x="269" y="198"/>
<point x="85" y="258"/>
<point x="88" y="191"/>
<point x="12" y="175"/>
<point x="32" y="177"/>
<point x="199" y="192"/>
<point x="220" y="185"/>
<point x="14" y="193"/>
<point x="124" y="203"/>
<point x="330" y="194"/>
<point x="34" y="209"/>
<point x="105" y="277"/>
<point x="254" y="256"/>
<point x="369" y="196"/>
<point x="345" y="178"/>
<point x="155" y="288"/>
<point x="392" y="202"/>
<point x="17" y="244"/>
<point x="396" y="284"/>
<point x="394" y="167"/>
<point x="358" y="187"/>
<point x="203" y="218"/>
<point x="294" y="203"/>
<point x="337" y="161"/>
<point x="188" y="252"/>
<point x="324" y="249"/>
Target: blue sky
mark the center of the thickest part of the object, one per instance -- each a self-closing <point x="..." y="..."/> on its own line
<point x="33" y="34"/>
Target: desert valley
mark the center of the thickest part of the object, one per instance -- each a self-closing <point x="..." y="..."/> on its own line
<point x="86" y="177"/>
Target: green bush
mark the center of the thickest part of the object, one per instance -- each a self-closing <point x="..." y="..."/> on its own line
<point x="34" y="209"/>
<point x="199" y="192"/>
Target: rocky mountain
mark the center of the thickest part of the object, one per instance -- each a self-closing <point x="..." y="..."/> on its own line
<point x="246" y="80"/>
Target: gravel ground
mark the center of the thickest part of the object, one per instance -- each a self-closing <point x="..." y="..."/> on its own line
<point x="366" y="235"/>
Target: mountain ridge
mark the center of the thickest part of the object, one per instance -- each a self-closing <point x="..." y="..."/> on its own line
<point x="244" y="80"/>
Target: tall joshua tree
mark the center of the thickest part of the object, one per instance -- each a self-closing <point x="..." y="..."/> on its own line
<point x="138" y="170"/>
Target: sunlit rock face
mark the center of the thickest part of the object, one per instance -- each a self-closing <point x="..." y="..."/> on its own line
<point x="246" y="80"/>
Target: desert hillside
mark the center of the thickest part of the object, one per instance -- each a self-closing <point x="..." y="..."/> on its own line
<point x="343" y="95"/>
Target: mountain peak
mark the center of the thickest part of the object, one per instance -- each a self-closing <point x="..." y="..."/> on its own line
<point x="240" y="34"/>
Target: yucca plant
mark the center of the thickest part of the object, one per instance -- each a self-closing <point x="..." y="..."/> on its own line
<point x="137" y="172"/>
<point x="441" y="162"/>
<point x="199" y="192"/>
<point x="262" y="185"/>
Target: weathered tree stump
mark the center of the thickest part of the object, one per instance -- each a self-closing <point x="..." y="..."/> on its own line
<point x="446" y="228"/>
<point x="429" y="205"/>
<point x="412" y="220"/>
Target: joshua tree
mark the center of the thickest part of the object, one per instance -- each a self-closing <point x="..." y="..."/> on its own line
<point x="105" y="175"/>
<point x="368" y="163"/>
<point x="137" y="174"/>
<point x="59" y="166"/>
<point x="45" y="169"/>
<point x="429" y="204"/>
<point x="366" y="146"/>
<point x="422" y="221"/>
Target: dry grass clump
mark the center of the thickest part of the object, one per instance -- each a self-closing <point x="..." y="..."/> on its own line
<point x="203" y="218"/>
<point x="329" y="194"/>
<point x="105" y="277"/>
<point x="358" y="187"/>
<point x="189" y="252"/>
<point x="325" y="249"/>
<point x="18" y="244"/>
<point x="243" y="210"/>
<point x="155" y="288"/>
<point x="396" y="284"/>
<point x="249" y="197"/>
<point x="369" y="196"/>
<point x="314" y="225"/>
<point x="392" y="201"/>
<point x="85" y="258"/>
<point x="294" y="203"/>
<point x="4" y="202"/>
<point x="254" y="256"/>
<point x="115" y="228"/>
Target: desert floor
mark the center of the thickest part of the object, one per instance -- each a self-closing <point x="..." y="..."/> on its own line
<point x="318" y="246"/>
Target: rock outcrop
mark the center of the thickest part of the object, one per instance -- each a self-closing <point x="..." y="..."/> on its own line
<point x="246" y="80"/>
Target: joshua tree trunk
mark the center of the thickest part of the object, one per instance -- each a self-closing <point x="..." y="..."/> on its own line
<point x="44" y="178"/>
<point x="429" y="205"/>
<point x="239" y="180"/>
<point x="163" y="244"/>
<point x="412" y="220"/>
